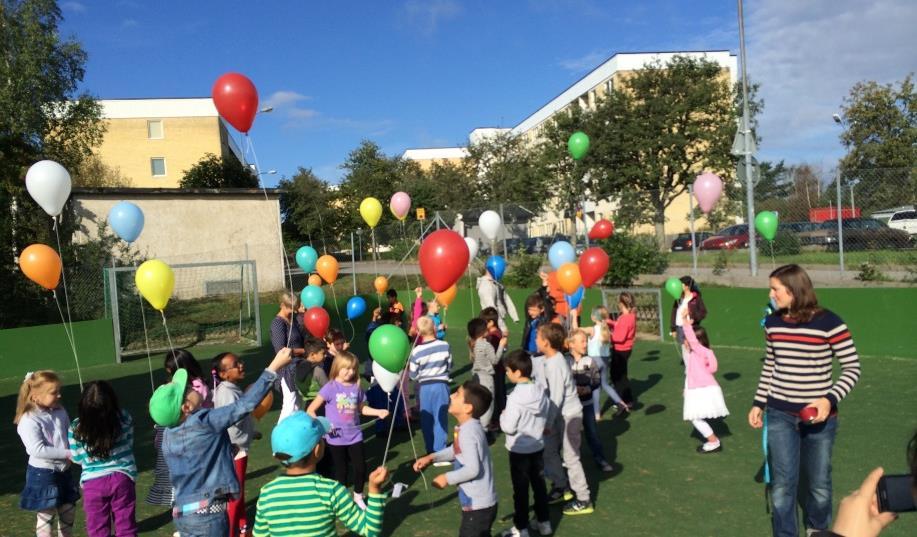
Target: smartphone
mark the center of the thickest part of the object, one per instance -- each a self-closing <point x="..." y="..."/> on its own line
<point x="896" y="493"/>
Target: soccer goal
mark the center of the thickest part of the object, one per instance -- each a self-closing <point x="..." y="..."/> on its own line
<point x="213" y="303"/>
<point x="650" y="314"/>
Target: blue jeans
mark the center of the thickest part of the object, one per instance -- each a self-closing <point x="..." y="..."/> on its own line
<point x="434" y="416"/>
<point x="192" y="525"/>
<point x="795" y="446"/>
<point x="590" y="429"/>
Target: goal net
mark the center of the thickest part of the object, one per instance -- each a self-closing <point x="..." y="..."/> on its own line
<point x="651" y="318"/>
<point x="213" y="303"/>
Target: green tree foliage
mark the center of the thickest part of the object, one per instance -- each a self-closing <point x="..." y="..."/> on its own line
<point x="368" y="173"/>
<point x="307" y="208"/>
<point x="507" y="170"/>
<point x="632" y="256"/>
<point x="217" y="172"/>
<point x="94" y="173"/>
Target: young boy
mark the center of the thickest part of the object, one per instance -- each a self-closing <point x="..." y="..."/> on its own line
<point x="491" y="316"/>
<point x="537" y="314"/>
<point x="301" y="502"/>
<point x="429" y="366"/>
<point x="197" y="450"/>
<point x="523" y="422"/>
<point x="395" y="308"/>
<point x="562" y="434"/>
<point x="473" y="471"/>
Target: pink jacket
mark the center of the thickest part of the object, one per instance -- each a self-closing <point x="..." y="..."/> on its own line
<point x="701" y="362"/>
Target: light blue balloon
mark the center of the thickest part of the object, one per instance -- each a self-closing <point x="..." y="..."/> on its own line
<point x="356" y="307"/>
<point x="306" y="257"/>
<point x="496" y="266"/>
<point x="312" y="296"/>
<point x="576" y="298"/>
<point x="126" y="220"/>
<point x="561" y="253"/>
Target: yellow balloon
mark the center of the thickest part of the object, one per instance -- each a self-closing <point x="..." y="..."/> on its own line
<point x="155" y="280"/>
<point x="371" y="211"/>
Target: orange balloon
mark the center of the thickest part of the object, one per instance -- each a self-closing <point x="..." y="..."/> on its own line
<point x="42" y="265"/>
<point x="381" y="284"/>
<point x="568" y="278"/>
<point x="560" y="301"/>
<point x="264" y="406"/>
<point x="327" y="268"/>
<point x="315" y="279"/>
<point x="446" y="297"/>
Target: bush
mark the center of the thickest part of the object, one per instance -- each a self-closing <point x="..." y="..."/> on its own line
<point x="630" y="257"/>
<point x="523" y="271"/>
<point x="870" y="272"/>
<point x="721" y="263"/>
<point x="786" y="243"/>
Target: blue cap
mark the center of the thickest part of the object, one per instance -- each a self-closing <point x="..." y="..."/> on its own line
<point x="297" y="435"/>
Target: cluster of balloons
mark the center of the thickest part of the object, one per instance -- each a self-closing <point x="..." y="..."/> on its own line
<point x="575" y="277"/>
<point x="371" y="208"/>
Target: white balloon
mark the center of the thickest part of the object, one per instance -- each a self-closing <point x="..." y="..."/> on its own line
<point x="386" y="379"/>
<point x="490" y="224"/>
<point x="472" y="248"/>
<point x="49" y="185"/>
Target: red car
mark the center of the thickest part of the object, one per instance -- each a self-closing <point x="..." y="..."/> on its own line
<point x="728" y="239"/>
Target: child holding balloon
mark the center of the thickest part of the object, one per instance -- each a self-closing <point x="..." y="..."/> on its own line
<point x="344" y="402"/>
<point x="429" y="366"/>
<point x="483" y="361"/>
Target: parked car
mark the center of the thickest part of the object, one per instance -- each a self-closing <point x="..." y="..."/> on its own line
<point x="728" y="239"/>
<point x="799" y="227"/>
<point x="905" y="221"/>
<point x="859" y="234"/>
<point x="683" y="240"/>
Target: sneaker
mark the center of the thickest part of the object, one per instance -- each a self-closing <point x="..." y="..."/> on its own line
<point x="606" y="467"/>
<point x="558" y="495"/>
<point x="576" y="507"/>
<point x="710" y="447"/>
<point x="515" y="532"/>
<point x="544" y="528"/>
<point x="598" y="417"/>
<point x="358" y="499"/>
<point x="441" y="464"/>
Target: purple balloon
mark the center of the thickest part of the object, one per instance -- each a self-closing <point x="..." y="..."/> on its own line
<point x="707" y="189"/>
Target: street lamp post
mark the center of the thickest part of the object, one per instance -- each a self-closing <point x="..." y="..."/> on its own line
<point x="747" y="151"/>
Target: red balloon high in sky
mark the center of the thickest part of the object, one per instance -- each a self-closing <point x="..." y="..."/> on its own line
<point x="236" y="100"/>
<point x="443" y="259"/>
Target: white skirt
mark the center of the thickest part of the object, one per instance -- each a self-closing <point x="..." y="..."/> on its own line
<point x="704" y="403"/>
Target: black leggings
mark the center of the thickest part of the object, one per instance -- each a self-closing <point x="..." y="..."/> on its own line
<point x="619" y="375"/>
<point x="344" y="456"/>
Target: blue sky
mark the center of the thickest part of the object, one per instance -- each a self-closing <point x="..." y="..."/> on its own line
<point x="424" y="73"/>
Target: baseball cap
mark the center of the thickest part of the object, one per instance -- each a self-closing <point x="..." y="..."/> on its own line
<point x="297" y="435"/>
<point x="165" y="405"/>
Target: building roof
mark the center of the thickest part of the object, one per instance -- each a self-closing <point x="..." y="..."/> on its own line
<point x="435" y="153"/>
<point x="124" y="192"/>
<point x="618" y="62"/>
<point x="144" y="108"/>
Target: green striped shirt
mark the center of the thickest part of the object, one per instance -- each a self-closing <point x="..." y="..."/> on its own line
<point x="121" y="458"/>
<point x="306" y="506"/>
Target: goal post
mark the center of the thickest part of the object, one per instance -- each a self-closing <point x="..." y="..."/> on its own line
<point x="212" y="303"/>
<point x="649" y="311"/>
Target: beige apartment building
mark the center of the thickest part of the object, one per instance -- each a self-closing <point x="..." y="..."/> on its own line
<point x="585" y="93"/>
<point x="153" y="141"/>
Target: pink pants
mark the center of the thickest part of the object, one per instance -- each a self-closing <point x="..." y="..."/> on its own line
<point x="112" y="496"/>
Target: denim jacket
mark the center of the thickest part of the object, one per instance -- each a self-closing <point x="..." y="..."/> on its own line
<point x="198" y="451"/>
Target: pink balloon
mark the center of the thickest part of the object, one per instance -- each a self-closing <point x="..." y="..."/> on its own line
<point x="707" y="189"/>
<point x="400" y="205"/>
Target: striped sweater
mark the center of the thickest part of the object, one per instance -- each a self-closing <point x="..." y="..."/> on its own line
<point x="121" y="458"/>
<point x="431" y="361"/>
<point x="307" y="506"/>
<point x="798" y="364"/>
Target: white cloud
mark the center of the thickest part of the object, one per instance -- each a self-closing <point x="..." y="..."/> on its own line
<point x="426" y="15"/>
<point x="128" y="23"/>
<point x="73" y="7"/>
<point x="807" y="56"/>
<point x="286" y="106"/>
<point x="586" y="62"/>
<point x="283" y="98"/>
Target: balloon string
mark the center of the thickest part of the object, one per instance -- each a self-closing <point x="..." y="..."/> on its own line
<point x="391" y="428"/>
<point x="146" y="335"/>
<point x="773" y="261"/>
<point x="166" y="327"/>
<point x="76" y="359"/>
<point x="375" y="251"/>
<point x="401" y="385"/>
<point x="413" y="447"/>
<point x="334" y="297"/>
<point x="64" y="281"/>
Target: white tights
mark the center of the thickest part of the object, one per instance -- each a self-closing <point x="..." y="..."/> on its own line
<point x="44" y="525"/>
<point x="703" y="428"/>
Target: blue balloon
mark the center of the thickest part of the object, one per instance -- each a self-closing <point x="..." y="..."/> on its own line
<point x="312" y="296"/>
<point x="561" y="253"/>
<point x="576" y="298"/>
<point x="306" y="257"/>
<point x="356" y="307"/>
<point x="126" y="220"/>
<point x="496" y="266"/>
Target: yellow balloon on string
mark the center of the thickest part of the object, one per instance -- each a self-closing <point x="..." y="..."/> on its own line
<point x="155" y="280"/>
<point x="371" y="211"/>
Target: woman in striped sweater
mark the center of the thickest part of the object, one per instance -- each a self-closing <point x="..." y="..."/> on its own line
<point x="802" y="339"/>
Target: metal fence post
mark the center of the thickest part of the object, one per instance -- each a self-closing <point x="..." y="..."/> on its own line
<point x="353" y="264"/>
<point x="115" y="321"/>
<point x="840" y="225"/>
<point x="691" y="221"/>
<point x="659" y="308"/>
<point x="503" y="225"/>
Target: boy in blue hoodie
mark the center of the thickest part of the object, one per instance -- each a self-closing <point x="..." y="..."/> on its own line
<point x="523" y="422"/>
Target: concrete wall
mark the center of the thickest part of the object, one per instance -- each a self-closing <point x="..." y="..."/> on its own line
<point x="203" y="226"/>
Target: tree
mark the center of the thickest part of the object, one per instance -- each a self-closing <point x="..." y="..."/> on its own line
<point x="217" y="172"/>
<point x="507" y="170"/>
<point x="369" y="173"/>
<point x="94" y="173"/>
<point x="307" y="208"/>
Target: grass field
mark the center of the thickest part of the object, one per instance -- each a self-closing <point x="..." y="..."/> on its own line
<point x="660" y="487"/>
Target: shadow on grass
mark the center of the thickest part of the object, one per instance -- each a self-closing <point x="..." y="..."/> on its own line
<point x="654" y="409"/>
<point x="732" y="375"/>
<point x="651" y="356"/>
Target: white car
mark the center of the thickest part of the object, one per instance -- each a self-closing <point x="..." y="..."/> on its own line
<point x="905" y="221"/>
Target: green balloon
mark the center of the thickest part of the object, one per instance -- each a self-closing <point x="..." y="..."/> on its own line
<point x="389" y="347"/>
<point x="673" y="287"/>
<point x="766" y="224"/>
<point x="578" y="145"/>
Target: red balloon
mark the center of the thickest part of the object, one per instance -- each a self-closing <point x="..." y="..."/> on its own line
<point x="317" y="321"/>
<point x="443" y="259"/>
<point x="236" y="100"/>
<point x="602" y="230"/>
<point x="593" y="265"/>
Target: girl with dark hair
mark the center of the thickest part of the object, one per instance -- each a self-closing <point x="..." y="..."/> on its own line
<point x="183" y="359"/>
<point x="703" y="395"/>
<point x="102" y="442"/>
<point x="690" y="302"/>
<point x="802" y="341"/>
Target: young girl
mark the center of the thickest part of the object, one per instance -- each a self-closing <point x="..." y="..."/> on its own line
<point x="599" y="348"/>
<point x="102" y="442"/>
<point x="586" y="373"/>
<point x="622" y="340"/>
<point x="344" y="402"/>
<point x="483" y="360"/>
<point x="494" y="334"/>
<point x="703" y="396"/>
<point x="42" y="425"/>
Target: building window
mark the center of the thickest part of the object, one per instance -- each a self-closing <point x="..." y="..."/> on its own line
<point x="609" y="86"/>
<point x="158" y="166"/>
<point x="154" y="129"/>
